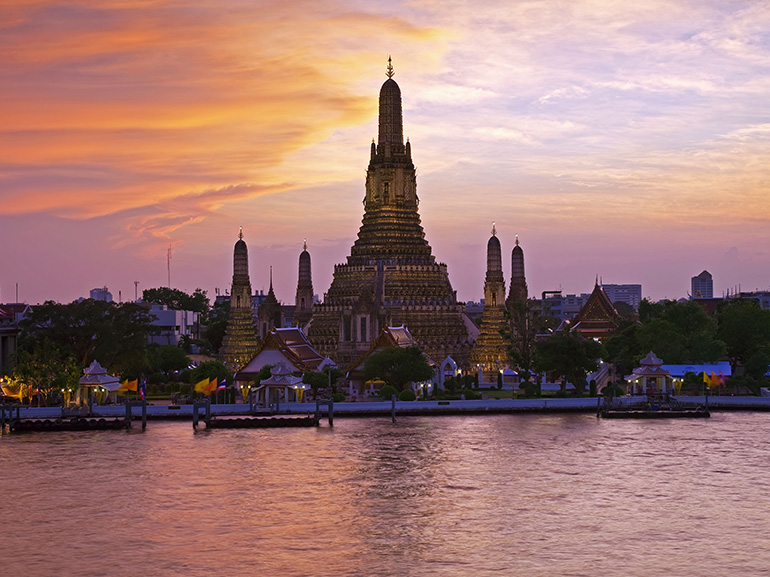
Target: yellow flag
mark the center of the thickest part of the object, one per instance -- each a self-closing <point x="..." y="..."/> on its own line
<point x="201" y="386"/>
<point x="706" y="378"/>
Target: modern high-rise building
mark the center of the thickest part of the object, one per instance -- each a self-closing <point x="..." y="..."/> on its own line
<point x="631" y="294"/>
<point x="391" y="277"/>
<point x="702" y="286"/>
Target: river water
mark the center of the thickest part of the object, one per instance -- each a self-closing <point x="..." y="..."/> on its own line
<point x="534" y="495"/>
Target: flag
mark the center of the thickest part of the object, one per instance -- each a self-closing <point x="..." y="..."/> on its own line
<point x="211" y="387"/>
<point x="143" y="389"/>
<point x="715" y="381"/>
<point x="200" y="386"/>
<point x="706" y="379"/>
<point x="128" y="385"/>
<point x="222" y="385"/>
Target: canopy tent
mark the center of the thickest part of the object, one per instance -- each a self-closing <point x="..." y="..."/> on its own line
<point x="282" y="386"/>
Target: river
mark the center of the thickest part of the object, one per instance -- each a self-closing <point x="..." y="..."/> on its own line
<point x="533" y="495"/>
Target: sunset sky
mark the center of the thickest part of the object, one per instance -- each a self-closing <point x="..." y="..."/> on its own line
<point x="629" y="140"/>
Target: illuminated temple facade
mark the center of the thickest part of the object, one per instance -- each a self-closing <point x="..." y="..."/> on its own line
<point x="489" y="351"/>
<point x="391" y="277"/>
<point x="240" y="342"/>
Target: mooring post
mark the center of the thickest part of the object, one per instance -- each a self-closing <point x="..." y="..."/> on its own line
<point x="393" y="408"/>
<point x="195" y="415"/>
<point x="331" y="412"/>
<point x="208" y="413"/>
<point x="128" y="414"/>
<point x="144" y="414"/>
<point x="317" y="411"/>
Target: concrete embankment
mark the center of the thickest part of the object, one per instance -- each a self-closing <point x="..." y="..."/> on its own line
<point x="405" y="408"/>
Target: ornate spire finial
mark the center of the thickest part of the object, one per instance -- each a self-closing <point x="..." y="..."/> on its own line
<point x="240" y="234"/>
<point x="597" y="279"/>
<point x="390" y="72"/>
<point x="271" y="277"/>
<point x="494" y="230"/>
<point x="517" y="240"/>
<point x="304" y="246"/>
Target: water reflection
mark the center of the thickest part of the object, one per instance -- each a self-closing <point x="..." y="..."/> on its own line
<point x="526" y="494"/>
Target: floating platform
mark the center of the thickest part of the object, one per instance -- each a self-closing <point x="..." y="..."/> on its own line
<point x="698" y="413"/>
<point x="73" y="424"/>
<point x="261" y="422"/>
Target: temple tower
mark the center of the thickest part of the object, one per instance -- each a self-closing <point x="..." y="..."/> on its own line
<point x="240" y="342"/>
<point x="303" y="308"/>
<point x="269" y="312"/>
<point x="518" y="290"/>
<point x="391" y="277"/>
<point x="489" y="351"/>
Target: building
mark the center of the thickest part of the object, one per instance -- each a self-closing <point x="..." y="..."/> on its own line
<point x="391" y="277"/>
<point x="563" y="307"/>
<point x="598" y="318"/>
<point x="240" y="341"/>
<point x="631" y="294"/>
<point x="100" y="294"/>
<point x="489" y="352"/>
<point x="303" y="307"/>
<point x="702" y="286"/>
<point x="10" y="315"/>
<point x="269" y="312"/>
<point x="174" y="325"/>
<point x="518" y="290"/>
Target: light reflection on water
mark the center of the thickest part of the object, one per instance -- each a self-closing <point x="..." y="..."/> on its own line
<point x="535" y="495"/>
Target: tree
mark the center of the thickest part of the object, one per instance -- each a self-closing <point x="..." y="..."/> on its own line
<point x="114" y="334"/>
<point x="167" y="358"/>
<point x="216" y="325"/>
<point x="398" y="366"/>
<point x="623" y="348"/>
<point x="525" y="320"/>
<point x="319" y="380"/>
<point x="569" y="355"/>
<point x="178" y="300"/>
<point x="211" y="370"/>
<point x="745" y="329"/>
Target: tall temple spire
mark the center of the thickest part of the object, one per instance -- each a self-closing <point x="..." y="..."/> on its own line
<point x="303" y="307"/>
<point x="240" y="340"/>
<point x="489" y="350"/>
<point x="391" y="276"/>
<point x="269" y="312"/>
<point x="518" y="290"/>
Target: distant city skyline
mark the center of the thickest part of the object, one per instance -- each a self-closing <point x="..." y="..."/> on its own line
<point x="625" y="141"/>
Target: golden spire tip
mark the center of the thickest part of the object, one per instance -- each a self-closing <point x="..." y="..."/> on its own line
<point x="390" y="72"/>
<point x="240" y="234"/>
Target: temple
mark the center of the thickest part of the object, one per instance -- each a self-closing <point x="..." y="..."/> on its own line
<point x="391" y="277"/>
<point x="489" y="351"/>
<point x="598" y="318"/>
<point x="303" y="308"/>
<point x="240" y="341"/>
<point x="518" y="290"/>
<point x="269" y="312"/>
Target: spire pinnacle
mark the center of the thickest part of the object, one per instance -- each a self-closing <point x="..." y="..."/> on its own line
<point x="304" y="246"/>
<point x="271" y="277"/>
<point x="494" y="230"/>
<point x="240" y="234"/>
<point x="517" y="240"/>
<point x="390" y="72"/>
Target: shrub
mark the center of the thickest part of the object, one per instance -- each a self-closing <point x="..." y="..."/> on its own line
<point x="529" y="388"/>
<point x="152" y="390"/>
<point x="156" y="378"/>
<point x="592" y="388"/>
<point x="407" y="395"/>
<point x="387" y="392"/>
<point x="184" y="376"/>
<point x="338" y="397"/>
<point x="184" y="389"/>
<point x="471" y="395"/>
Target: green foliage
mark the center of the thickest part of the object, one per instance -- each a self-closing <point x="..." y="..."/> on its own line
<point x="613" y="390"/>
<point x="745" y="329"/>
<point x="530" y="389"/>
<point x="592" y="388"/>
<point x="185" y="389"/>
<point x="211" y="370"/>
<point x="319" y="380"/>
<point x="525" y="319"/>
<point x="185" y="376"/>
<point x="407" y="395"/>
<point x="167" y="359"/>
<point x="470" y="395"/>
<point x="570" y="356"/>
<point x="177" y="300"/>
<point x="114" y="334"/>
<point x="387" y="392"/>
<point x="338" y="397"/>
<point x="216" y="325"/>
<point x="156" y="378"/>
<point x="264" y="373"/>
<point x="398" y="366"/>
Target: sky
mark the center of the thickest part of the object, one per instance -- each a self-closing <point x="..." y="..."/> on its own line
<point x="628" y="140"/>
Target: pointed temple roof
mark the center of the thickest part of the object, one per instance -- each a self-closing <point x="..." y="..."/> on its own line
<point x="598" y="317"/>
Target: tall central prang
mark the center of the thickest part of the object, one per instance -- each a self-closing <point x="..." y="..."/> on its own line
<point x="391" y="277"/>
